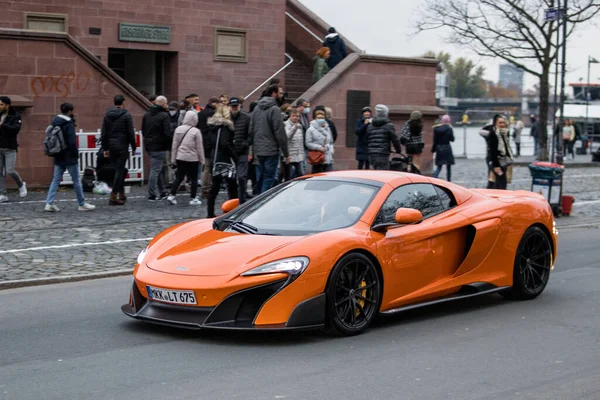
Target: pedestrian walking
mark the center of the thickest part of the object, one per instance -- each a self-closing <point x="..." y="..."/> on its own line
<point x="175" y="117"/>
<point x="10" y="126"/>
<point x="517" y="129"/>
<point x="268" y="136"/>
<point x="381" y="136"/>
<point x="203" y="117"/>
<point x="337" y="46"/>
<point x="295" y="136"/>
<point x="320" y="68"/>
<point x="156" y="130"/>
<point x="568" y="137"/>
<point x="187" y="152"/>
<point x="221" y="136"/>
<point x="499" y="153"/>
<point x="66" y="160"/>
<point x="362" y="142"/>
<point x="241" y="144"/>
<point x="443" y="135"/>
<point x="534" y="133"/>
<point x="117" y="135"/>
<point x="412" y="137"/>
<point x="319" y="142"/>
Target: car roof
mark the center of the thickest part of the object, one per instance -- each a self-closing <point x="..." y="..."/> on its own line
<point x="373" y="175"/>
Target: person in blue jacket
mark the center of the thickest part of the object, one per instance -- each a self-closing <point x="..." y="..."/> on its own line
<point x="362" y="142"/>
<point x="67" y="160"/>
<point x="337" y="47"/>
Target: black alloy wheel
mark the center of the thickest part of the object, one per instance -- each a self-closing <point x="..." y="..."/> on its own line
<point x="353" y="294"/>
<point x="532" y="265"/>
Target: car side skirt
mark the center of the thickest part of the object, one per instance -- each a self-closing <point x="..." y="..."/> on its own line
<point x="467" y="291"/>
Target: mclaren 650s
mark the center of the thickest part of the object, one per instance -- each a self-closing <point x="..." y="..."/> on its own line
<point x="337" y="249"/>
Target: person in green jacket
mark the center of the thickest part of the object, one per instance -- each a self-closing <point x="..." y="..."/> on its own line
<point x="320" y="67"/>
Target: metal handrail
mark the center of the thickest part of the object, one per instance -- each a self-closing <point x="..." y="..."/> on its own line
<point x="272" y="76"/>
<point x="304" y="27"/>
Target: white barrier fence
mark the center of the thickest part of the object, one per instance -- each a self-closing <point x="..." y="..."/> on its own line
<point x="89" y="144"/>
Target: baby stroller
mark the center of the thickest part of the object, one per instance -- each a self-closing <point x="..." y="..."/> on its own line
<point x="403" y="163"/>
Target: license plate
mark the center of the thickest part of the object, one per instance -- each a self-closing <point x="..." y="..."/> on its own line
<point x="171" y="296"/>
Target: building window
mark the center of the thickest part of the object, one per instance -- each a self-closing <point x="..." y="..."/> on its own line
<point x="230" y="45"/>
<point x="46" y="22"/>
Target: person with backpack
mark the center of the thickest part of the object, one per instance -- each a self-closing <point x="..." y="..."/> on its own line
<point x="61" y="134"/>
<point x="412" y="137"/>
<point x="10" y="126"/>
<point x="188" y="152"/>
<point x="117" y="135"/>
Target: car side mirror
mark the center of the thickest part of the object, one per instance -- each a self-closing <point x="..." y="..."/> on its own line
<point x="230" y="205"/>
<point x="405" y="216"/>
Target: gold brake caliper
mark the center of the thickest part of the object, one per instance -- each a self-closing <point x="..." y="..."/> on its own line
<point x="362" y="293"/>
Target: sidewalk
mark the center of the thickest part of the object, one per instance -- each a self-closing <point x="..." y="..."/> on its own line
<point x="37" y="247"/>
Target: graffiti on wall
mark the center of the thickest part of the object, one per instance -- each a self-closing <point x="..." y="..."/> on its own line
<point x="61" y="84"/>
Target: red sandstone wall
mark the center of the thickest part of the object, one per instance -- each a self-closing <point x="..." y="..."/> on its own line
<point x="192" y="29"/>
<point x="390" y="84"/>
<point x="50" y="73"/>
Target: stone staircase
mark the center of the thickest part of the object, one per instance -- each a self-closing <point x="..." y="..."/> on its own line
<point x="298" y="76"/>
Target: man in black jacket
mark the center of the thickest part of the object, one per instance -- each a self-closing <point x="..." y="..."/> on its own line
<point x="10" y="125"/>
<point x="380" y="133"/>
<point x="336" y="46"/>
<point x="117" y="136"/>
<point x="156" y="129"/>
<point x="203" y="117"/>
<point x="241" y="144"/>
<point x="362" y="142"/>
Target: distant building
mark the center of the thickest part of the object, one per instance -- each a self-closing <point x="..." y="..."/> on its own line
<point x="511" y="77"/>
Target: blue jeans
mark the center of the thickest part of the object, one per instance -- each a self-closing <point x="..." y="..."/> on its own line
<point x="155" y="180"/>
<point x="438" y="169"/>
<point x="267" y="171"/>
<point x="58" y="174"/>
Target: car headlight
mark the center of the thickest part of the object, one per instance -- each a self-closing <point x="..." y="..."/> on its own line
<point x="141" y="256"/>
<point x="554" y="230"/>
<point x="293" y="266"/>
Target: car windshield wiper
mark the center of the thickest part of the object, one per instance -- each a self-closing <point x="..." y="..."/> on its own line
<point x="243" y="227"/>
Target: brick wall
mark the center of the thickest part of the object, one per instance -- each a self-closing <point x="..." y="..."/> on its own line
<point x="192" y="25"/>
<point x="390" y="83"/>
<point x="51" y="73"/>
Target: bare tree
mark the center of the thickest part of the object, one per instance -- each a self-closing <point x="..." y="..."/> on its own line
<point x="512" y="30"/>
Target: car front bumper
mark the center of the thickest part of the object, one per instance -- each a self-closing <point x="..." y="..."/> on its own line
<point x="236" y="312"/>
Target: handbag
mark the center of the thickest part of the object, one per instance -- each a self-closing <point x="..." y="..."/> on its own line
<point x="223" y="169"/>
<point x="315" y="157"/>
<point x="504" y="161"/>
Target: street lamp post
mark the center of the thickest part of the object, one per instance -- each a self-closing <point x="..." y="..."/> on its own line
<point x="559" y="147"/>
<point x="591" y="60"/>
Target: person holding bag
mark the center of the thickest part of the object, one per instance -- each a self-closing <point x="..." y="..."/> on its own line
<point x="501" y="157"/>
<point x="221" y="132"/>
<point x="188" y="152"/>
<point x="319" y="143"/>
<point x="412" y="137"/>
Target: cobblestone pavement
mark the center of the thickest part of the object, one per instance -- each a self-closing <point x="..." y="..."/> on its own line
<point x="36" y="244"/>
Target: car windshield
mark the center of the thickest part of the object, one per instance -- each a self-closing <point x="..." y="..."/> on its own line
<point x="302" y="207"/>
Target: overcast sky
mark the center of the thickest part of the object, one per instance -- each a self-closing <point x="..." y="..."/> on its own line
<point x="385" y="27"/>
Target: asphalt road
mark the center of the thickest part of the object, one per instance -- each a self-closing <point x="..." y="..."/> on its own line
<point x="70" y="341"/>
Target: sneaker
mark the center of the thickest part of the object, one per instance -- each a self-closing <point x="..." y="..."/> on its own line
<point x="86" y="207"/>
<point x="195" y="202"/>
<point x="23" y="190"/>
<point x="163" y="196"/>
<point x="3" y="199"/>
<point x="51" y="208"/>
<point x="172" y="200"/>
<point x="151" y="198"/>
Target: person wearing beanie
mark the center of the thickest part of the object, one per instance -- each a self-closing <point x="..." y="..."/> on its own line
<point x="412" y="137"/>
<point x="443" y="134"/>
<point x="362" y="143"/>
<point x="337" y="47"/>
<point x="380" y="134"/>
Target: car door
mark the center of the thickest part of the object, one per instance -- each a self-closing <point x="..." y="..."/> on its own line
<point x="415" y="257"/>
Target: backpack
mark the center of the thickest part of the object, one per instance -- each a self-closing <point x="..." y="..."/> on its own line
<point x="88" y="179"/>
<point x="54" y="142"/>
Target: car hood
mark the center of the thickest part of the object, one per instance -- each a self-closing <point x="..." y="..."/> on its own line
<point x="198" y="250"/>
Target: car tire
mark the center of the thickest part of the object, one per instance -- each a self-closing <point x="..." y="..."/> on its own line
<point x="353" y="295"/>
<point x="533" y="262"/>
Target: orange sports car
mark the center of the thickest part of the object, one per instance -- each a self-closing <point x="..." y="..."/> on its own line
<point x="337" y="249"/>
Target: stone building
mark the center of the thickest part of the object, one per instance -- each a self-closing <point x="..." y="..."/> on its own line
<point x="86" y="51"/>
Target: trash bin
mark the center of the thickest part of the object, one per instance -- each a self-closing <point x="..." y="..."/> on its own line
<point x="567" y="204"/>
<point x="546" y="179"/>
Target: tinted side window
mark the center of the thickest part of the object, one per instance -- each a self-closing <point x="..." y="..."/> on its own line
<point x="422" y="197"/>
<point x="446" y="197"/>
